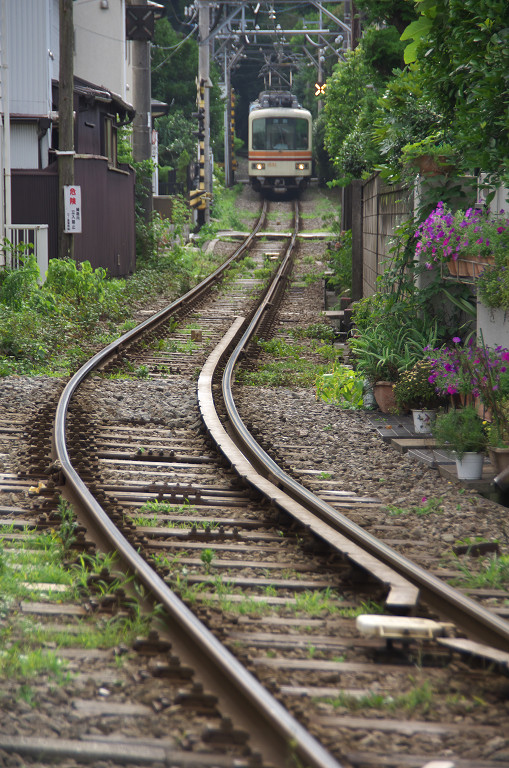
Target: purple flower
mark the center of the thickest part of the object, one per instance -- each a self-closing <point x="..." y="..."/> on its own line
<point x="456" y="339"/>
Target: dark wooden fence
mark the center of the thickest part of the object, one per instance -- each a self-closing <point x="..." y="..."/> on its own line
<point x="107" y="196"/>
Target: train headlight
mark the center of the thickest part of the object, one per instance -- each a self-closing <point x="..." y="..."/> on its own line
<point x="301" y="166"/>
<point x="258" y="166"/>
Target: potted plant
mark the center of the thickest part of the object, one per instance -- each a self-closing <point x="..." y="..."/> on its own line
<point x="384" y="349"/>
<point x="493" y="283"/>
<point x="466" y="241"/>
<point x="433" y="156"/>
<point x="415" y="392"/>
<point x="462" y="431"/>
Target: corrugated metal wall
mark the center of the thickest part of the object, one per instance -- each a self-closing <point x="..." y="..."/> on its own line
<point x="108" y="237"/>
<point x="29" y="57"/>
<point x="24" y="146"/>
<point x="40" y="188"/>
<point x="107" y="201"/>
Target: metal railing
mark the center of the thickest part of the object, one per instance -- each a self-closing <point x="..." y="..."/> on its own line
<point x="22" y="239"/>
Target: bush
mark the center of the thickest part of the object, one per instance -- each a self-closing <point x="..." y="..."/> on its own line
<point x="339" y="257"/>
<point x="343" y="387"/>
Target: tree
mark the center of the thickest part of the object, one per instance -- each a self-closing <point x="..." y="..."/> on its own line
<point x="462" y="51"/>
<point x="396" y="13"/>
<point x="350" y="100"/>
<point x="174" y="67"/>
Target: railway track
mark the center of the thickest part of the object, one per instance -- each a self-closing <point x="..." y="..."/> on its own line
<point x="245" y="559"/>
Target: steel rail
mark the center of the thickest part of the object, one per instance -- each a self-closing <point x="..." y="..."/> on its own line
<point x="475" y="620"/>
<point x="166" y="313"/>
<point x="219" y="667"/>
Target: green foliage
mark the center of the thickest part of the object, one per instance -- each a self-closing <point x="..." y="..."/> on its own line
<point x="68" y="524"/>
<point x="429" y="506"/>
<point x="343" y="387"/>
<point x="321" y="331"/>
<point x="383" y="49"/>
<point x="460" y="430"/>
<point x="225" y="208"/>
<point x="493" y="573"/>
<point x="176" y="139"/>
<point x="339" y="259"/>
<point x="462" y="49"/>
<point x="18" y="284"/>
<point x="389" y="340"/>
<point x="78" y="284"/>
<point x="398" y="13"/>
<point x="418" y="699"/>
<point x="493" y="282"/>
<point x="323" y="162"/>
<point x="290" y="368"/>
<point x="349" y="108"/>
<point x="206" y="557"/>
<point x="174" y="67"/>
<point x="407" y="113"/>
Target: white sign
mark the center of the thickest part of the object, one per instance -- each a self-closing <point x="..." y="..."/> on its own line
<point x="72" y="208"/>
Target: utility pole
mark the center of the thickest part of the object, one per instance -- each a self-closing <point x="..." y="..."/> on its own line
<point x="65" y="122"/>
<point x="5" y="131"/>
<point x="204" y="77"/>
<point x="141" y="35"/>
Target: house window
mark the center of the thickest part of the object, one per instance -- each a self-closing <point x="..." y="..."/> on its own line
<point x="110" y="140"/>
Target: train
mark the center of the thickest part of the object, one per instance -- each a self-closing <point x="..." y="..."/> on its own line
<point x="279" y="143"/>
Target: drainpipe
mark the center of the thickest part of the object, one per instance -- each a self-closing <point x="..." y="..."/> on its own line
<point x="5" y="160"/>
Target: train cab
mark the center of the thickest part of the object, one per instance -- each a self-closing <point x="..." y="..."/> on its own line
<point x="279" y="142"/>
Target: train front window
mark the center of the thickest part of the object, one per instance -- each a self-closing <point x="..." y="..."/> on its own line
<point x="280" y="133"/>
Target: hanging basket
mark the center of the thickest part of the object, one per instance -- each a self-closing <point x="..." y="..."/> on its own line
<point x="429" y="165"/>
<point x="468" y="266"/>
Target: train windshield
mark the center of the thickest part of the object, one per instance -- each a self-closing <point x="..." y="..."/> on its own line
<point x="280" y="133"/>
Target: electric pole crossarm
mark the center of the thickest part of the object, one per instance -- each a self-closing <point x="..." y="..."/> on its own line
<point x="220" y="27"/>
<point x="342" y="24"/>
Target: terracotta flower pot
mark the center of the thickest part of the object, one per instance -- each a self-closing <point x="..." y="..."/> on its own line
<point x="383" y="392"/>
<point x="499" y="457"/>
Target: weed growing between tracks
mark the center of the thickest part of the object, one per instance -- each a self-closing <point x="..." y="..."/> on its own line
<point x="418" y="700"/>
<point x="429" y="506"/>
<point x="492" y="572"/>
<point x="291" y="364"/>
<point x="44" y="567"/>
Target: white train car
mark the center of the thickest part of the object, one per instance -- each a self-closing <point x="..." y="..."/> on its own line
<point x="279" y="143"/>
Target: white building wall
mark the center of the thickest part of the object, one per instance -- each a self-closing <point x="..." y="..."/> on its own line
<point x="101" y="49"/>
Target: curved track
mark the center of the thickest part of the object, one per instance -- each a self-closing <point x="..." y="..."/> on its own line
<point x="278" y="734"/>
